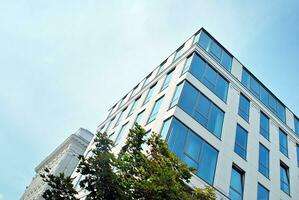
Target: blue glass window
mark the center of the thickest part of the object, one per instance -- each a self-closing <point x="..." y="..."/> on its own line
<point x="269" y="100"/>
<point x="138" y="118"/>
<point x="264" y="160"/>
<point x="215" y="50"/>
<point x="296" y="120"/>
<point x="236" y="184"/>
<point x="179" y="52"/>
<point x="262" y="192"/>
<point x="203" y="110"/>
<point x="192" y="149"/>
<point x="264" y="125"/>
<point x="284" y="178"/>
<point x="207" y="75"/>
<point x="241" y="142"/>
<point x="155" y="110"/>
<point x="147" y="79"/>
<point x="283" y="142"/>
<point x="177" y="94"/>
<point x="121" y="133"/>
<point x="167" y="80"/>
<point x="149" y="94"/>
<point x="244" y="107"/>
<point x="120" y="116"/>
<point x="162" y="67"/>
<point x="134" y="106"/>
<point x="165" y="128"/>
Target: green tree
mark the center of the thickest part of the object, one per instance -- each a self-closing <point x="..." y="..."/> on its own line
<point x="100" y="180"/>
<point x="60" y="187"/>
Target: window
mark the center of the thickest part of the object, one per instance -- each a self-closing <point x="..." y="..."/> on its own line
<point x="134" y="105"/>
<point x="147" y="79"/>
<point x="167" y="80"/>
<point x="296" y="125"/>
<point x="109" y="125"/>
<point x="262" y="192"/>
<point x="177" y="94"/>
<point x="149" y="94"/>
<point x="207" y="75"/>
<point x="264" y="125"/>
<point x="284" y="178"/>
<point x="244" y="107"/>
<point x="236" y="184"/>
<point x="203" y="110"/>
<point x="297" y="148"/>
<point x="268" y="99"/>
<point x="138" y="118"/>
<point x="155" y="110"/>
<point x="120" y="116"/>
<point x="283" y="142"/>
<point x="120" y="134"/>
<point x="134" y="90"/>
<point x="165" y="128"/>
<point x="193" y="150"/>
<point x="241" y="142"/>
<point x="179" y="52"/>
<point x="122" y="101"/>
<point x="264" y="160"/>
<point x="162" y="67"/>
<point x="215" y="50"/>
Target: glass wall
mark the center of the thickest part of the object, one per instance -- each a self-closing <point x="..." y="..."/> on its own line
<point x="270" y="101"/>
<point x="202" y="109"/>
<point x="207" y="75"/>
<point x="191" y="149"/>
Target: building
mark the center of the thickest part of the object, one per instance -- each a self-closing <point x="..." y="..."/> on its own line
<point x="218" y="118"/>
<point x="62" y="160"/>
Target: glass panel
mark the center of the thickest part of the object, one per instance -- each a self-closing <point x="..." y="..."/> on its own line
<point x="297" y="148"/>
<point x="179" y="52"/>
<point x="281" y="112"/>
<point x="264" y="96"/>
<point x="176" y="95"/>
<point x="264" y="125"/>
<point x="222" y="88"/>
<point x="236" y="185"/>
<point x="167" y="80"/>
<point x="255" y="87"/>
<point x="262" y="193"/>
<point x="226" y="60"/>
<point x="283" y="142"/>
<point x="193" y="146"/>
<point x="284" y="179"/>
<point x="187" y="64"/>
<point x="197" y="67"/>
<point x="120" y="134"/>
<point x="149" y="94"/>
<point x="135" y="104"/>
<point x="241" y="142"/>
<point x="162" y="66"/>
<point x="272" y="103"/>
<point x="155" y="110"/>
<point x="296" y="121"/>
<point x="216" y="51"/>
<point x="176" y="138"/>
<point x="202" y="111"/>
<point x="208" y="163"/>
<point x="216" y="121"/>
<point x="165" y="128"/>
<point x="204" y="40"/>
<point x="138" y="118"/>
<point x="264" y="160"/>
<point x="246" y="79"/>
<point x="210" y="77"/>
<point x="244" y="106"/>
<point x="188" y="98"/>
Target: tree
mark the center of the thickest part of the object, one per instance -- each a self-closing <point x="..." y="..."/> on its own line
<point x="61" y="186"/>
<point x="144" y="169"/>
<point x="100" y="180"/>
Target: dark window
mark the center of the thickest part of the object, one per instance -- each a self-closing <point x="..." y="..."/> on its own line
<point x="283" y="142"/>
<point x="262" y="192"/>
<point x="284" y="178"/>
<point x="264" y="125"/>
<point x="236" y="184"/>
<point x="193" y="150"/>
<point x="244" y="106"/>
<point x="241" y="141"/>
<point x="264" y="160"/>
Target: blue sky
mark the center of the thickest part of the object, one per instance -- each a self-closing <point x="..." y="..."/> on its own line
<point x="64" y="63"/>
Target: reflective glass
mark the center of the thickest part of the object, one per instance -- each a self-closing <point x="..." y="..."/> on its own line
<point x="264" y="160"/>
<point x="262" y="193"/>
<point x="236" y="185"/>
<point x="283" y="142"/>
<point x="241" y="142"/>
<point x="244" y="106"/>
<point x="155" y="110"/>
<point x="264" y="125"/>
<point x="284" y="179"/>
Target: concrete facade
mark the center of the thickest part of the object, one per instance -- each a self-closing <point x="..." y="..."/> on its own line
<point x="225" y="144"/>
<point x="62" y="160"/>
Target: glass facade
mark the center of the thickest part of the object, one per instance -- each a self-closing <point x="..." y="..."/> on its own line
<point x="262" y="192"/>
<point x="162" y="67"/>
<point x="149" y="94"/>
<point x="202" y="109"/>
<point x="264" y="160"/>
<point x="244" y="107"/>
<point x="155" y="110"/>
<point x="236" y="184"/>
<point x="258" y="90"/>
<point x="284" y="178"/>
<point x="191" y="149"/>
<point x="207" y="75"/>
<point x="120" y="116"/>
<point x="215" y="50"/>
<point x="167" y="80"/>
<point x="138" y="118"/>
<point x="264" y="125"/>
<point x="134" y="106"/>
<point x="296" y="120"/>
<point x="283" y="142"/>
<point x="120" y="134"/>
<point x="241" y="142"/>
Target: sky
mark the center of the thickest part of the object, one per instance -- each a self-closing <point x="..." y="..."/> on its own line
<point x="63" y="64"/>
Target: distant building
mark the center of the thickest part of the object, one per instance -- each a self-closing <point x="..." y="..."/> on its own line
<point x="217" y="117"/>
<point x="62" y="160"/>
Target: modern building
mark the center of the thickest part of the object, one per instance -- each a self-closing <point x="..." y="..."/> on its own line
<point x="62" y="160"/>
<point x="218" y="118"/>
